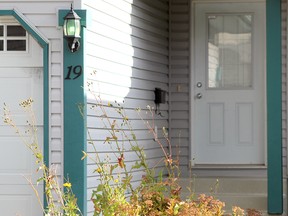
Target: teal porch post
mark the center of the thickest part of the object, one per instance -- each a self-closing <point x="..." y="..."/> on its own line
<point x="75" y="114"/>
<point x="274" y="107"/>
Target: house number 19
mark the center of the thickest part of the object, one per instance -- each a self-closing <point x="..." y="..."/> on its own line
<point x="74" y="71"/>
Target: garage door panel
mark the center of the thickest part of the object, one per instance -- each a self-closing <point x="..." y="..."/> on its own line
<point x="14" y="156"/>
<point x="19" y="200"/>
<point x="25" y="83"/>
<point x="14" y="90"/>
<point x="17" y="205"/>
<point x="19" y="179"/>
<point x="21" y="77"/>
<point x="16" y="162"/>
<point x="33" y="57"/>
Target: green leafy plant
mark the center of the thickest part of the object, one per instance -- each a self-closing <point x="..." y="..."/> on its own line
<point x="158" y="192"/>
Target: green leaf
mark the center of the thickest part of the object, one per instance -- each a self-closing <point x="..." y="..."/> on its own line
<point x="136" y="148"/>
<point x="137" y="165"/>
<point x="134" y="136"/>
<point x="39" y="180"/>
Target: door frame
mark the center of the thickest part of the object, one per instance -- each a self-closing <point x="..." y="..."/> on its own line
<point x="273" y="100"/>
<point x="262" y="67"/>
<point x="44" y="43"/>
<point x="193" y="92"/>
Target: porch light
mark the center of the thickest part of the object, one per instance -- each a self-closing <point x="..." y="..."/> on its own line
<point x="72" y="30"/>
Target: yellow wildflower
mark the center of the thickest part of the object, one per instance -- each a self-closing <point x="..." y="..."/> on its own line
<point x="99" y="170"/>
<point x="67" y="184"/>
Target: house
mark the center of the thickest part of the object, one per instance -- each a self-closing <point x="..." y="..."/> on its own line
<point x="222" y="64"/>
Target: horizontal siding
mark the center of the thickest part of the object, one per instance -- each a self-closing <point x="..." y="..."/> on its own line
<point x="127" y="45"/>
<point x="180" y="81"/>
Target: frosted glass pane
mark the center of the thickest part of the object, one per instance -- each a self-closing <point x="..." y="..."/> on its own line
<point x="229" y="51"/>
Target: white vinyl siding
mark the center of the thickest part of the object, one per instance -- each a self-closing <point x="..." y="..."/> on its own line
<point x="127" y="45"/>
<point x="180" y="80"/>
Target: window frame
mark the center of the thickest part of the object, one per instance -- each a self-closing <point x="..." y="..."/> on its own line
<point x="5" y="38"/>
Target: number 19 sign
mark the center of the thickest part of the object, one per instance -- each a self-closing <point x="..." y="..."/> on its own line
<point x="74" y="72"/>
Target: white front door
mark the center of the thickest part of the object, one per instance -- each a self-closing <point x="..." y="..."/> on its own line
<point x="21" y="77"/>
<point x="229" y="83"/>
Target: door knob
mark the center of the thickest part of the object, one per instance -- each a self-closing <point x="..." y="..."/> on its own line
<point x="199" y="84"/>
<point x="199" y="96"/>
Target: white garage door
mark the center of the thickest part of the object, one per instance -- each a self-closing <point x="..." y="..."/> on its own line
<point x="21" y="77"/>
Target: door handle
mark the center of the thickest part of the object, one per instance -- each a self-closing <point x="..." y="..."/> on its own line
<point x="199" y="96"/>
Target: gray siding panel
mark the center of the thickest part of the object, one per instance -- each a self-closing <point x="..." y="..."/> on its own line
<point x="180" y="80"/>
<point x="127" y="45"/>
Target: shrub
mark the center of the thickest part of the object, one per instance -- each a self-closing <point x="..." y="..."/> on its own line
<point x="157" y="194"/>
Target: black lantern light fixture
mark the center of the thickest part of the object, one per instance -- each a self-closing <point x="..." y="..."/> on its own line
<point x="72" y="30"/>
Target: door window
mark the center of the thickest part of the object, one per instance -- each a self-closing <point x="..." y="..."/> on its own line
<point x="229" y="51"/>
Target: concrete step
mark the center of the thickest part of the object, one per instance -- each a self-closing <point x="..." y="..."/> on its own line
<point x="243" y="192"/>
<point x="226" y="185"/>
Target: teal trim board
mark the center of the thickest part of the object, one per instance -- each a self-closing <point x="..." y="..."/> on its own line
<point x="44" y="43"/>
<point x="74" y="119"/>
<point x="274" y="107"/>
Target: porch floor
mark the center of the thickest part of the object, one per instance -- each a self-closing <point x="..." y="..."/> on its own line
<point x="247" y="193"/>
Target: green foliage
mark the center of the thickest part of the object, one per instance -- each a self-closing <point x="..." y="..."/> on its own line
<point x="157" y="194"/>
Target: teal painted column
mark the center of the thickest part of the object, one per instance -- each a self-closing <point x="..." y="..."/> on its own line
<point x="274" y="107"/>
<point x="74" y="120"/>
